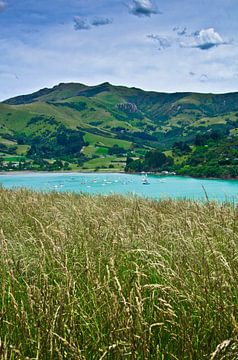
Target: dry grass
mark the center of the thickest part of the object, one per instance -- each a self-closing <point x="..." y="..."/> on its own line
<point x="85" y="277"/>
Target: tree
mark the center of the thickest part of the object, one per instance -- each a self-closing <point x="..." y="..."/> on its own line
<point x="180" y="148"/>
<point x="116" y="150"/>
<point x="156" y="160"/>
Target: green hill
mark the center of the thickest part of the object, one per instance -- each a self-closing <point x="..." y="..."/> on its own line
<point x="103" y="123"/>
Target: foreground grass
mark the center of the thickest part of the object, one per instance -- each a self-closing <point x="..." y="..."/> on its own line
<point x="86" y="277"/>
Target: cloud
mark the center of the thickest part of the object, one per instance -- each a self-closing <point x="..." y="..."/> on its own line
<point x="163" y="41"/>
<point x="143" y="8"/>
<point x="180" y="31"/>
<point x="101" y="21"/>
<point x="205" y="39"/>
<point x="2" y="5"/>
<point x="80" y="23"/>
<point x="203" y="78"/>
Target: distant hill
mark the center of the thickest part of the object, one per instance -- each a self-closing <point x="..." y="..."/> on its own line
<point x="100" y="119"/>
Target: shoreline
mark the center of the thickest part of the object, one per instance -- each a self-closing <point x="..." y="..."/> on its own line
<point x="31" y="172"/>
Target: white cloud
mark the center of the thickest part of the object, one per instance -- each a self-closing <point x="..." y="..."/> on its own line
<point x="100" y="21"/>
<point x="2" y="5"/>
<point x="122" y="55"/>
<point x="143" y="8"/>
<point x="205" y="39"/>
<point x="80" y="23"/>
<point x="180" y="31"/>
<point x="162" y="41"/>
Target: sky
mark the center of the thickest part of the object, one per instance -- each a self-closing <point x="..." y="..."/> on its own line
<point x="166" y="46"/>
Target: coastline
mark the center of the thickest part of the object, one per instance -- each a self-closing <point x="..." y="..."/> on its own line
<point x="32" y="172"/>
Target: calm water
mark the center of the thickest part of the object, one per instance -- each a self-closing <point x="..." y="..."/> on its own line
<point x="159" y="187"/>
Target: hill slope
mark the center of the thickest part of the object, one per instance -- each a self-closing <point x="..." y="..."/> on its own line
<point x="106" y="121"/>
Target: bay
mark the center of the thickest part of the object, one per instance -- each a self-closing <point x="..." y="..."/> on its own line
<point x="99" y="183"/>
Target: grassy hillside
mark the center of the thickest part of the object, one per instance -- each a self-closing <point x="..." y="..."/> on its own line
<point x="133" y="119"/>
<point x="86" y="277"/>
<point x="209" y="155"/>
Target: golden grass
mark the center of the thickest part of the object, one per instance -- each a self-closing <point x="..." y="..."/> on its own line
<point x="85" y="277"/>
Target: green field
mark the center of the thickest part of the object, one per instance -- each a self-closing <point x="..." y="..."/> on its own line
<point x="104" y="141"/>
<point x="85" y="277"/>
<point x="95" y="150"/>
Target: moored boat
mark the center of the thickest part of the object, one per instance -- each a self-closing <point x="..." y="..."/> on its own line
<point x="145" y="180"/>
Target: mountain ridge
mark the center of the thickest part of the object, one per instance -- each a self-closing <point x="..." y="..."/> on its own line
<point x="48" y="90"/>
<point x="103" y="116"/>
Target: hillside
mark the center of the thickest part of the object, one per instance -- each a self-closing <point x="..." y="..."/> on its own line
<point x="208" y="155"/>
<point x="97" y="126"/>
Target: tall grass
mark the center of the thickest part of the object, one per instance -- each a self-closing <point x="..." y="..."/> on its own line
<point x="85" y="277"/>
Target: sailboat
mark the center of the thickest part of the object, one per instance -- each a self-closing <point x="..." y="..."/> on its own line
<point x="145" y="180"/>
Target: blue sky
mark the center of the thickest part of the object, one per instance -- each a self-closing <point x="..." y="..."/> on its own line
<point x="172" y="45"/>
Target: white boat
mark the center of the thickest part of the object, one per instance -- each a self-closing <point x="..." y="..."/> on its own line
<point x="145" y="180"/>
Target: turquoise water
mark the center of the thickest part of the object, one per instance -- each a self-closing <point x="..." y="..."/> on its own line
<point x="159" y="186"/>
